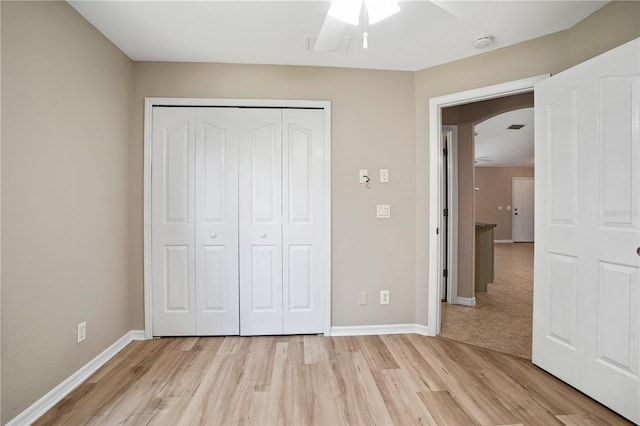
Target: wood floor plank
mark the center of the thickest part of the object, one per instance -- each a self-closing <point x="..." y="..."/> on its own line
<point x="315" y="380"/>
<point x="511" y="394"/>
<point x="316" y="349"/>
<point x="356" y="408"/>
<point x="444" y="409"/>
<point x="420" y="372"/>
<point x="463" y="385"/>
<point x="545" y="389"/>
<point x="403" y="403"/>
<point x="371" y="393"/>
<point x="575" y="420"/>
<point x="377" y="353"/>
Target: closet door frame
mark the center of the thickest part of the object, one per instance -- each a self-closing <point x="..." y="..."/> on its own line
<point x="150" y="102"/>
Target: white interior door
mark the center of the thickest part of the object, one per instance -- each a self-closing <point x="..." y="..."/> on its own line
<point x="260" y="216"/>
<point x="172" y="221"/>
<point x="523" y="209"/>
<point x="587" y="278"/>
<point x="303" y="221"/>
<point x="216" y="222"/>
<point x="239" y="221"/>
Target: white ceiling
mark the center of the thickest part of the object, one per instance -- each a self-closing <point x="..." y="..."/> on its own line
<point x="274" y="32"/>
<point x="497" y="146"/>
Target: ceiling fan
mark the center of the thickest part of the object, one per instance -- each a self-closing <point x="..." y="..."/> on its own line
<point x="347" y="12"/>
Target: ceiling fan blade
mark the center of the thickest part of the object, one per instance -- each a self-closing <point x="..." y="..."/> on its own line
<point x="460" y="9"/>
<point x="330" y="33"/>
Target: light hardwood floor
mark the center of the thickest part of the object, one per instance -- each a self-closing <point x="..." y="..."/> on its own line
<point x="502" y="317"/>
<point x="297" y="380"/>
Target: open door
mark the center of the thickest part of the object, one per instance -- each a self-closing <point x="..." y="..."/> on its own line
<point x="587" y="226"/>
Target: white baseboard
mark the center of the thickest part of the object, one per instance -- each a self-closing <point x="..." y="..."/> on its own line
<point x="466" y="301"/>
<point x="55" y="395"/>
<point x="503" y="241"/>
<point x="366" y="330"/>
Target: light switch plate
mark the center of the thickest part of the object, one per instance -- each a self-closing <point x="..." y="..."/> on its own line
<point x="362" y="175"/>
<point x="383" y="211"/>
<point x="384" y="175"/>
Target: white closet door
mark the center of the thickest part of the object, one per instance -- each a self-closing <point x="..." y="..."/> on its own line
<point x="216" y="221"/>
<point x="260" y="222"/>
<point x="172" y="221"/>
<point x="304" y="270"/>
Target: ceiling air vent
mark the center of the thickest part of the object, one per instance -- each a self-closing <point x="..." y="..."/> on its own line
<point x="515" y="127"/>
<point x="342" y="44"/>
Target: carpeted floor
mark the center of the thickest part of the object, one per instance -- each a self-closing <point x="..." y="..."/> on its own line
<point x="501" y="319"/>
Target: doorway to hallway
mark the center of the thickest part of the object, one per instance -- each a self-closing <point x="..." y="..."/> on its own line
<point x="501" y="320"/>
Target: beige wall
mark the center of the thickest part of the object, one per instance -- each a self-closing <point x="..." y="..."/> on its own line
<point x="65" y="191"/>
<point x="495" y="184"/>
<point x="372" y="128"/>
<point x="613" y="25"/>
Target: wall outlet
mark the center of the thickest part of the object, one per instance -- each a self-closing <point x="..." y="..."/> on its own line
<point x="362" y="298"/>
<point x="384" y="297"/>
<point x="82" y="332"/>
<point x="384" y="175"/>
<point x="383" y="211"/>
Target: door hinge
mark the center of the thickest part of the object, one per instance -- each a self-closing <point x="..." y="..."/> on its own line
<point x="445" y="273"/>
<point x="445" y="212"/>
<point x="438" y="233"/>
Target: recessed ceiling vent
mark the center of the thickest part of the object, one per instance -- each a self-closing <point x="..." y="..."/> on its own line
<point x="341" y="46"/>
<point x="515" y="127"/>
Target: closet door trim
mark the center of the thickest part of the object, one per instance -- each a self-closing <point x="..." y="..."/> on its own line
<point x="238" y="103"/>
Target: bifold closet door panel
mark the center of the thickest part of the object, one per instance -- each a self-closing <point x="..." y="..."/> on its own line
<point x="216" y="222"/>
<point x="172" y="221"/>
<point x="303" y="227"/>
<point x="260" y="180"/>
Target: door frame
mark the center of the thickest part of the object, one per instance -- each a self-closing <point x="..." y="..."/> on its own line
<point x="149" y="103"/>
<point x="452" y="218"/>
<point x="435" y="167"/>
<point x="513" y="197"/>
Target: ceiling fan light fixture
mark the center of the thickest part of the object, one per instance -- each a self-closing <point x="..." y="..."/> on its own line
<point x="377" y="10"/>
<point x="346" y="10"/>
<point x="349" y="10"/>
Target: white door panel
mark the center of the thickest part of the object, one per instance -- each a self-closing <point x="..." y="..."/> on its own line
<point x="216" y="220"/>
<point x="260" y="222"/>
<point x="172" y="222"/>
<point x="587" y="271"/>
<point x="303" y="221"/>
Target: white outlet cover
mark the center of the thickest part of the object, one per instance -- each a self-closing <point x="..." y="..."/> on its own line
<point x="384" y="175"/>
<point x="383" y="211"/>
<point x="82" y="332"/>
<point x="384" y="297"/>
